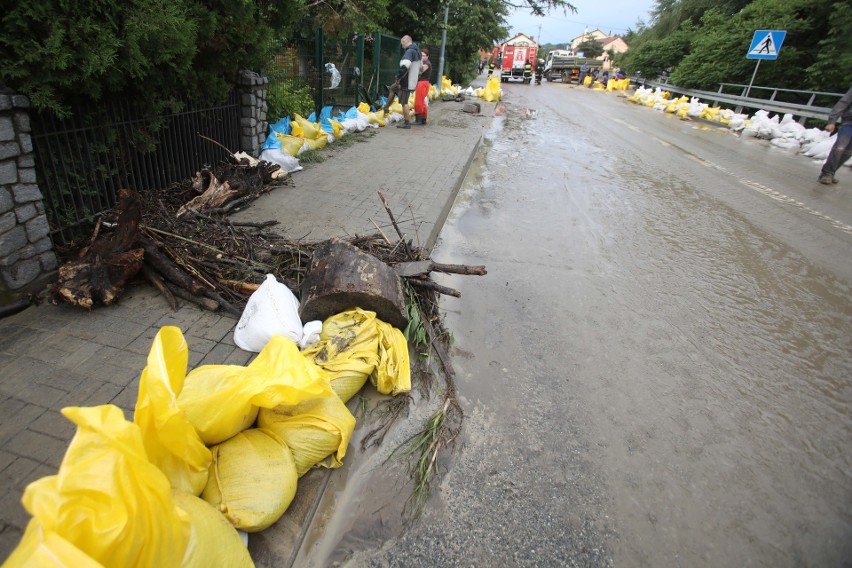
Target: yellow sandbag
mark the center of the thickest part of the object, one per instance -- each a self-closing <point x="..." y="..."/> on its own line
<point x="681" y="112"/>
<point x="396" y="107"/>
<point x="587" y="80"/>
<point x="289" y="143"/>
<point x="39" y="548"/>
<point x="252" y="479"/>
<point x="672" y="106"/>
<point x="313" y="430"/>
<point x="492" y="90"/>
<point x="347" y="350"/>
<point x="337" y="127"/>
<point x="171" y="442"/>
<point x="393" y="371"/>
<point x="223" y="400"/>
<point x="107" y="499"/>
<point x="213" y="541"/>
<point x="610" y="85"/>
<point x="445" y="83"/>
<point x="317" y="144"/>
<point x="308" y="129"/>
<point x="364" y="107"/>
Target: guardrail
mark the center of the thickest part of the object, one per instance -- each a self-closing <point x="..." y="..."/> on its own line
<point x="803" y="111"/>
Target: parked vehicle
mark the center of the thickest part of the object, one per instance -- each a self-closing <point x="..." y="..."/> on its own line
<point x="516" y="58"/>
<point x="563" y="65"/>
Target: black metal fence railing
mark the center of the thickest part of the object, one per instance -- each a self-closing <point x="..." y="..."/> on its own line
<point x="82" y="161"/>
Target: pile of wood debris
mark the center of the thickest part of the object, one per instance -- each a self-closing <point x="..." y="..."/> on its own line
<point x="181" y="241"/>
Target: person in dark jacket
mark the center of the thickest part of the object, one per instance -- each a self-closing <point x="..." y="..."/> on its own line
<point x="842" y="148"/>
<point x="408" y="75"/>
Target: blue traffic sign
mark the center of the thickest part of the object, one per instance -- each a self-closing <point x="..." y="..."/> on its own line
<point x="766" y="44"/>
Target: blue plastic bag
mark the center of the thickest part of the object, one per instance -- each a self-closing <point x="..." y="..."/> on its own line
<point x="272" y="142"/>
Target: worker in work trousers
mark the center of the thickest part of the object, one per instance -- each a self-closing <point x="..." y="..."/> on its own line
<point x="842" y="149"/>
<point x="527" y="72"/>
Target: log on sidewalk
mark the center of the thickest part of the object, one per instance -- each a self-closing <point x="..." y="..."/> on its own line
<point x="101" y="272"/>
<point x="342" y="277"/>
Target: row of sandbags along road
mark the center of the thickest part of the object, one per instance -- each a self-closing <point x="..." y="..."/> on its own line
<point x="294" y="135"/>
<point x="781" y="131"/>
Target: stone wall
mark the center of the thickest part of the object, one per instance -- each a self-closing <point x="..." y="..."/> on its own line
<point x="253" y="108"/>
<point x="26" y="251"/>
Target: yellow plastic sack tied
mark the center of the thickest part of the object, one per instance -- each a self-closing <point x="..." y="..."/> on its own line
<point x="289" y="143"/>
<point x="445" y="83"/>
<point x="107" y="500"/>
<point x="393" y="371"/>
<point x="337" y="127"/>
<point x="317" y="143"/>
<point x="348" y="350"/>
<point x="170" y="440"/>
<point x="492" y="90"/>
<point x="364" y="108"/>
<point x="301" y="127"/>
<point x="313" y="430"/>
<point x="213" y="541"/>
<point x="252" y="479"/>
<point x="396" y="107"/>
<point x="48" y="549"/>
<point x="223" y="400"/>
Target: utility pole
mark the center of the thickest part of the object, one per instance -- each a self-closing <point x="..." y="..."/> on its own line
<point x="443" y="46"/>
<point x="537" y="57"/>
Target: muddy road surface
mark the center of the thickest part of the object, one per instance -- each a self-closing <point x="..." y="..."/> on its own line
<point x="657" y="369"/>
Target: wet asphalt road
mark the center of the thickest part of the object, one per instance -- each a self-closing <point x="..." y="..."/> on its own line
<point x="656" y="370"/>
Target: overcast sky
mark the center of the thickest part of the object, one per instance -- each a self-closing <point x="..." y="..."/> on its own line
<point x="611" y="16"/>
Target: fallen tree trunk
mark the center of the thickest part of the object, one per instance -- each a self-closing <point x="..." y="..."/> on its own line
<point x="103" y="269"/>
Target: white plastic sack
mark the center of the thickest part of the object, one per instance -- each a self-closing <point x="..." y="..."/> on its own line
<point x="335" y="74"/>
<point x="310" y="334"/>
<point x="271" y="310"/>
<point x="287" y="162"/>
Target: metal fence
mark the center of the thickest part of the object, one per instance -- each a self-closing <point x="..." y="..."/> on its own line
<point x="302" y="75"/>
<point x="82" y="161"/>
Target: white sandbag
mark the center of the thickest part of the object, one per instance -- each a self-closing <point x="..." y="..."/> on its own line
<point x="749" y="133"/>
<point x="819" y="150"/>
<point x="785" y="143"/>
<point x="287" y="162"/>
<point x="310" y="334"/>
<point x="271" y="310"/>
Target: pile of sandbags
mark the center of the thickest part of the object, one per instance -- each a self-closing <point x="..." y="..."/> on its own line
<point x="210" y="451"/>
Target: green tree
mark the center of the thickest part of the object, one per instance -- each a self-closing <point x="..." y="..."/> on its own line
<point x="590" y="47"/>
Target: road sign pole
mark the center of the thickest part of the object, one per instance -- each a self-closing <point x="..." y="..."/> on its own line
<point x="753" y="75"/>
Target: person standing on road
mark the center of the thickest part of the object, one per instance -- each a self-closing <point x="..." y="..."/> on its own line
<point x="842" y="148"/>
<point x="420" y="108"/>
<point x="408" y="74"/>
<point x="584" y="70"/>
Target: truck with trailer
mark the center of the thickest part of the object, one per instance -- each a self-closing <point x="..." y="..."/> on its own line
<point x="564" y="66"/>
<point x="511" y="57"/>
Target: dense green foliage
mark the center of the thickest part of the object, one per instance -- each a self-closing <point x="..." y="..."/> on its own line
<point x="590" y="47"/>
<point x="703" y="43"/>
<point x="157" y="52"/>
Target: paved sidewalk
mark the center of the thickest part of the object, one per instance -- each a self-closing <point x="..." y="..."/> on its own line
<point x="57" y="356"/>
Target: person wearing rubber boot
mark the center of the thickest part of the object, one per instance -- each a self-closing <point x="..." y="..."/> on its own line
<point x="408" y="74"/>
<point x="842" y="148"/>
<point x="420" y="108"/>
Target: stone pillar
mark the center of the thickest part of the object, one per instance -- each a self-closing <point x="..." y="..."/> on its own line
<point x="26" y="251"/>
<point x="253" y="108"/>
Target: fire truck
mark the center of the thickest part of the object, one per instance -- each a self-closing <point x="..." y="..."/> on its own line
<point x="511" y="57"/>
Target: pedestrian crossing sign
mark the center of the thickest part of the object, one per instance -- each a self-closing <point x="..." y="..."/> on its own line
<point x="766" y="44"/>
